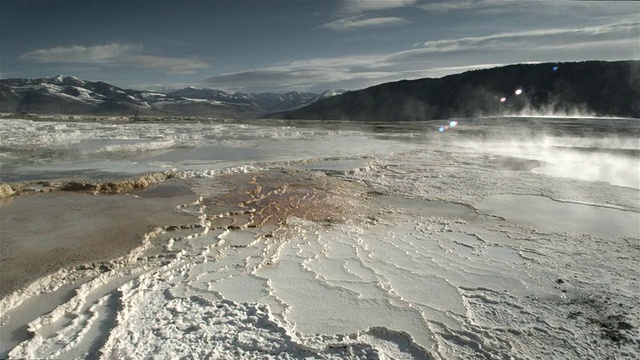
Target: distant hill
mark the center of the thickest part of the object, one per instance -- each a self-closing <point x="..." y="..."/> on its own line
<point x="71" y="95"/>
<point x="593" y="87"/>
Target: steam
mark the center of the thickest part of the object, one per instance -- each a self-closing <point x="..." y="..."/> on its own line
<point x="583" y="149"/>
<point x="553" y="109"/>
<point x="518" y="102"/>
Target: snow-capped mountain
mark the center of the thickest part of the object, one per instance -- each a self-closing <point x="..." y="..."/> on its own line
<point x="66" y="95"/>
<point x="330" y="93"/>
<point x="264" y="102"/>
<point x="270" y="102"/>
<point x="71" y="95"/>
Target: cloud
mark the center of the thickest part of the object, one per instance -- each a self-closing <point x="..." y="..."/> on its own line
<point x="361" y="6"/>
<point x="172" y="66"/>
<point x="443" y="6"/>
<point x="535" y="40"/>
<point x="116" y="54"/>
<point x="363" y="21"/>
<point x="79" y="54"/>
<point x="438" y="58"/>
<point x="589" y="8"/>
<point x="304" y="75"/>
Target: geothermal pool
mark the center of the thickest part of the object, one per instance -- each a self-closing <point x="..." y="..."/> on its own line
<point x="498" y="238"/>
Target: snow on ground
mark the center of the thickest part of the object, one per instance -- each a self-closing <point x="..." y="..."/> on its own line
<point x="88" y="95"/>
<point x="148" y="94"/>
<point x="406" y="244"/>
<point x="208" y="101"/>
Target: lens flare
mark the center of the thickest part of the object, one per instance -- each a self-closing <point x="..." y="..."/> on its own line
<point x="452" y="124"/>
<point x="555" y="68"/>
<point x="503" y="99"/>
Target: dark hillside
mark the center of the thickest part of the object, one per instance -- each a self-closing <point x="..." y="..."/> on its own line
<point x="593" y="87"/>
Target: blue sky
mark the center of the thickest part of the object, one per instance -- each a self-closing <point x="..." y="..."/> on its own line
<point x="302" y="45"/>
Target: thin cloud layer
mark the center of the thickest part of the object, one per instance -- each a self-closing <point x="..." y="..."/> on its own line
<point x="444" y="6"/>
<point x="116" y="54"/>
<point x="620" y="35"/>
<point x="436" y="58"/>
<point x="361" y="21"/>
<point x="79" y="54"/>
<point x="550" y="37"/>
<point x="362" y="6"/>
<point x="304" y="75"/>
<point x="172" y="66"/>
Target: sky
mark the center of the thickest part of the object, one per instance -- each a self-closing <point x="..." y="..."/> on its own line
<point x="302" y="45"/>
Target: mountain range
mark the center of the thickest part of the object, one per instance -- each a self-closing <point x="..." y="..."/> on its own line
<point x="596" y="88"/>
<point x="71" y="95"/>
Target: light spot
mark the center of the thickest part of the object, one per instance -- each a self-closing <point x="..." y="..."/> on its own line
<point x="518" y="92"/>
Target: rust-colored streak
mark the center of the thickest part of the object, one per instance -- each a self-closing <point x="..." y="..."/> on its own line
<point x="275" y="196"/>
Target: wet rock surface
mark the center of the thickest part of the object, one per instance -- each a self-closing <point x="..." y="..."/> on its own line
<point x="276" y="195"/>
<point x="42" y="233"/>
<point x="353" y="246"/>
